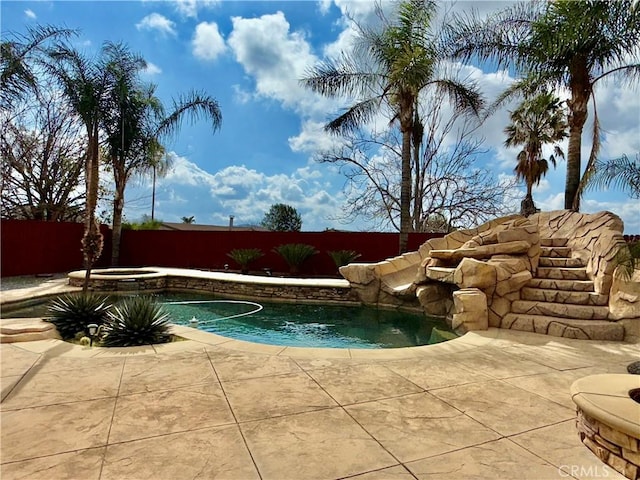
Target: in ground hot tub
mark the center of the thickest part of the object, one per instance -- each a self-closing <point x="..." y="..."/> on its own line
<point x="121" y="279"/>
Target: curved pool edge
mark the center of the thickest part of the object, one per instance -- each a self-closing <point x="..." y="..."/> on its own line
<point x="198" y="340"/>
<point x="159" y="272"/>
<point x="468" y="340"/>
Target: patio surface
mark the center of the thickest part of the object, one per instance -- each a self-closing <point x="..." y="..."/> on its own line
<point x="489" y="405"/>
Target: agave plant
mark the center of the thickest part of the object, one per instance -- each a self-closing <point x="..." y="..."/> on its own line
<point x="244" y="257"/>
<point x="72" y="314"/>
<point x="295" y="254"/>
<point x="343" y="257"/>
<point x="136" y="321"/>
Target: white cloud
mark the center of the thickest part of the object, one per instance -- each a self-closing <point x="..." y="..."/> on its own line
<point x="313" y="138"/>
<point x="324" y="6"/>
<point x="240" y="95"/>
<point x="207" y="42"/>
<point x="160" y="23"/>
<point x="236" y="190"/>
<point x="189" y="8"/>
<point x="152" y="69"/>
<point x="30" y="14"/>
<point x="276" y="58"/>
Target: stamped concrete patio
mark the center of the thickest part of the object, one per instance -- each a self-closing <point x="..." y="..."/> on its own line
<point x="490" y="405"/>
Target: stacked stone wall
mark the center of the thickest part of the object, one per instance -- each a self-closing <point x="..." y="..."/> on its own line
<point x="248" y="289"/>
<point x="615" y="448"/>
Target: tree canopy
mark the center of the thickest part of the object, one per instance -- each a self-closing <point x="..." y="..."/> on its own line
<point x="282" y="218"/>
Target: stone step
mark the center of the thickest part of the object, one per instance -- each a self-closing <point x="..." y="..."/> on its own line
<point x="440" y="274"/>
<point x="562" y="310"/>
<point x="563" y="327"/>
<point x="563" y="296"/>
<point x="26" y="330"/>
<point x="567" y="285"/>
<point x="555" y="252"/>
<point x="561" y="262"/>
<point x="562" y="273"/>
<point x="553" y="242"/>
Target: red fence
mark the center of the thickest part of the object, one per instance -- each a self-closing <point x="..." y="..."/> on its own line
<point x="208" y="250"/>
<point x="32" y="247"/>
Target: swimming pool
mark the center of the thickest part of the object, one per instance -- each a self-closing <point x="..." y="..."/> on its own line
<point x="306" y="325"/>
<point x="286" y="324"/>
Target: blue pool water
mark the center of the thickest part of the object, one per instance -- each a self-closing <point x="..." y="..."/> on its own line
<point x="290" y="324"/>
<point x="306" y="325"/>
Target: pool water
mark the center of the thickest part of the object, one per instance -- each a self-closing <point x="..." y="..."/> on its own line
<point x="285" y="324"/>
<point x="307" y="325"/>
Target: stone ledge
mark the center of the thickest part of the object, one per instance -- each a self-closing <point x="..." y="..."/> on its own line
<point x="13" y="330"/>
<point x="608" y="420"/>
<point x="13" y="326"/>
<point x="565" y="327"/>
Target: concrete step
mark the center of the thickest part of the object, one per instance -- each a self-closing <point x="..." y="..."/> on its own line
<point x="562" y="310"/>
<point x="563" y="296"/>
<point x="561" y="262"/>
<point x="563" y="327"/>
<point x="562" y="273"/>
<point x="26" y="330"/>
<point x="567" y="285"/>
<point x="553" y="242"/>
<point x="555" y="252"/>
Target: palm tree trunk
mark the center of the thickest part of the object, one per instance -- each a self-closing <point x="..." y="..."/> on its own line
<point x="417" y="190"/>
<point x="577" y="118"/>
<point x="153" y="194"/>
<point x="405" y="190"/>
<point x="118" y="205"/>
<point x="92" y="239"/>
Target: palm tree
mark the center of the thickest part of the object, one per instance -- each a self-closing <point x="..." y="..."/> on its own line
<point x="19" y="57"/>
<point x="159" y="164"/>
<point x="535" y="123"/>
<point x="87" y="83"/>
<point x="135" y="131"/>
<point x="565" y="44"/>
<point x="390" y="67"/>
<point x="189" y="220"/>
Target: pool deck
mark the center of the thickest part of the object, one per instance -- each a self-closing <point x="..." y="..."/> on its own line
<point x="493" y="404"/>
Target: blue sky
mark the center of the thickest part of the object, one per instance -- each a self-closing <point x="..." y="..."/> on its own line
<point x="249" y="56"/>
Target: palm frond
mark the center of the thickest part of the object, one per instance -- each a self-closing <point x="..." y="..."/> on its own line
<point x="495" y="39"/>
<point x="622" y="173"/>
<point x="354" y="117"/>
<point x="590" y="169"/>
<point x="466" y="97"/>
<point x="196" y="105"/>
<point x="343" y="77"/>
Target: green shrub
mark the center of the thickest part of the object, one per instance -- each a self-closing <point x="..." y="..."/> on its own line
<point x="295" y="254"/>
<point x="136" y="321"/>
<point x="144" y="224"/>
<point x="343" y="257"/>
<point x="72" y="313"/>
<point x="245" y="256"/>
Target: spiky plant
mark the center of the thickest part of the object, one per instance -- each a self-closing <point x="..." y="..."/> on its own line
<point x="136" y="321"/>
<point x="295" y="254"/>
<point x="245" y="256"/>
<point x="72" y="313"/>
<point x="343" y="257"/>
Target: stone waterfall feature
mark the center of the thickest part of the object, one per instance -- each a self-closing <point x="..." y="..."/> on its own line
<point x="550" y="273"/>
